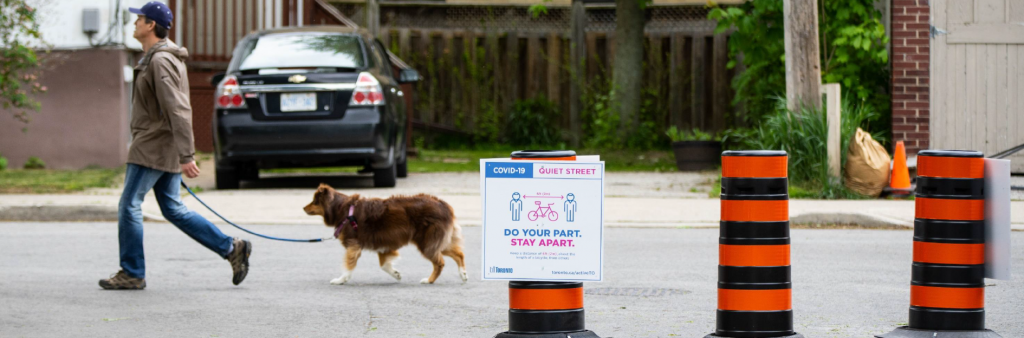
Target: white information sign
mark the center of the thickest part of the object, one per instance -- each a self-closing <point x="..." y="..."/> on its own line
<point x="543" y="220"/>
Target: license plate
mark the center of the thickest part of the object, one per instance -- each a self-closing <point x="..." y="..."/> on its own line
<point x="298" y="102"/>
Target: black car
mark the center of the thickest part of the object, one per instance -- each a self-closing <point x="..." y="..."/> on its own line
<point x="310" y="97"/>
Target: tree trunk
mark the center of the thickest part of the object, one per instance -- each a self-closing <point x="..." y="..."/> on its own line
<point x="578" y="56"/>
<point x="803" y="66"/>
<point x="627" y="67"/>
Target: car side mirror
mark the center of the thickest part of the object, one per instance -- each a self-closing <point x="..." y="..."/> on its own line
<point x="215" y="80"/>
<point x="409" y="75"/>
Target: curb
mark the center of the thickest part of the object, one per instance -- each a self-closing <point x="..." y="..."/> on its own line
<point x="855" y="219"/>
<point x="65" y="213"/>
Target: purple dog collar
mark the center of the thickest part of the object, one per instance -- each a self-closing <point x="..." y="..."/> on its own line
<point x="351" y="219"/>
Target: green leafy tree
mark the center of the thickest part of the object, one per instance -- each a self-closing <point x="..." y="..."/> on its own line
<point x="19" y="62"/>
<point x="854" y="52"/>
<point x="852" y="44"/>
<point x="537" y="9"/>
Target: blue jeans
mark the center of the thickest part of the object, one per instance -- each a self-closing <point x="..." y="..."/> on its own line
<point x="138" y="181"/>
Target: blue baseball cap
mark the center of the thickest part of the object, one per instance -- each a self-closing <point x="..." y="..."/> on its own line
<point x="156" y="11"/>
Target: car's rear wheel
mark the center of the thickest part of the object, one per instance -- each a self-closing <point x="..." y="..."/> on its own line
<point x="249" y="172"/>
<point x="226" y="178"/>
<point x="403" y="168"/>
<point x="385" y="177"/>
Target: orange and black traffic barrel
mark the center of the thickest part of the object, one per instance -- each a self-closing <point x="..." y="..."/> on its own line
<point x="947" y="288"/>
<point x="947" y="284"/>
<point x="754" y="288"/>
<point x="545" y="309"/>
<point x="540" y="308"/>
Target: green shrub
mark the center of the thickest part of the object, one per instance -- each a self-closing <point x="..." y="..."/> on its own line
<point x="677" y="135"/>
<point x="600" y="122"/>
<point x="3" y="163"/>
<point x="853" y="53"/>
<point x="35" y="163"/>
<point x="804" y="136"/>
<point x="533" y="122"/>
<point x="737" y="138"/>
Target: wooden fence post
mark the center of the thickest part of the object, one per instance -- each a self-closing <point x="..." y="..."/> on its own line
<point x="554" y="61"/>
<point x="373" y="17"/>
<point x="453" y="77"/>
<point x="834" y="118"/>
<point x="593" y="59"/>
<point x="697" y="88"/>
<point x="675" y="80"/>
<point x="720" y="80"/>
<point x="533" y="50"/>
<point x="403" y="42"/>
<point x="512" y="70"/>
<point x="494" y="57"/>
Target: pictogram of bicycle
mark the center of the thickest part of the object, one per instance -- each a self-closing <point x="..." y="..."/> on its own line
<point x="543" y="212"/>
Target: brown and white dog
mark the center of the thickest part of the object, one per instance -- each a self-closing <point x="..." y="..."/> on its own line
<point x="385" y="225"/>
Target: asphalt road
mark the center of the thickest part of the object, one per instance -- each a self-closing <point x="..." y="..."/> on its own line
<point x="659" y="283"/>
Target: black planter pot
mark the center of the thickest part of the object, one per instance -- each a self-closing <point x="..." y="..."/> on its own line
<point x="697" y="155"/>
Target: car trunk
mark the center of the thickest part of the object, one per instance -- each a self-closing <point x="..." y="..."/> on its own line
<point x="303" y="96"/>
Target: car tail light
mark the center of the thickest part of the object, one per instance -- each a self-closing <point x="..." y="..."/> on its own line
<point x="368" y="92"/>
<point x="229" y="95"/>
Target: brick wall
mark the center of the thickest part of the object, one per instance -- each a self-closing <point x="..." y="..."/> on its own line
<point x="910" y="113"/>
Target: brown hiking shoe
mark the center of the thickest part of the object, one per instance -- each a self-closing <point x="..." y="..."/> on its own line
<point x="122" y="281"/>
<point x="239" y="259"/>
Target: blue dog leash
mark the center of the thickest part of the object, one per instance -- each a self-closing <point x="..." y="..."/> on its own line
<point x="314" y="240"/>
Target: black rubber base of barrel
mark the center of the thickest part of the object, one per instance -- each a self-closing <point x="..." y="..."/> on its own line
<point x="754" y="324"/>
<point x="546" y="321"/>
<point x="925" y="318"/>
<point x="580" y="334"/>
<point x="906" y="332"/>
<point x="795" y="335"/>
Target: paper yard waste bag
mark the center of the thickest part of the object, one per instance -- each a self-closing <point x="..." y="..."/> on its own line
<point x="867" y="165"/>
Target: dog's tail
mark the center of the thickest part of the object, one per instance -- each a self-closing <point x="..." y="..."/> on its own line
<point x="443" y="235"/>
<point x="456" y="236"/>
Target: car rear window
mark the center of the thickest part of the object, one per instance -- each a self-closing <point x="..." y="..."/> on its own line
<point x="301" y="50"/>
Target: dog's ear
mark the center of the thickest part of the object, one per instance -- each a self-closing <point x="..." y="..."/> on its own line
<point x="324" y="189"/>
<point x="324" y="195"/>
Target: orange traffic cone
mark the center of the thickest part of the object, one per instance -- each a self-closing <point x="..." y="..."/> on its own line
<point x="899" y="180"/>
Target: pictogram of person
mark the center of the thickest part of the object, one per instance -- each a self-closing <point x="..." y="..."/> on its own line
<point x="570" y="207"/>
<point x="516" y="206"/>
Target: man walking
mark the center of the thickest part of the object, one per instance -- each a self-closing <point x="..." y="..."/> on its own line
<point x="162" y="148"/>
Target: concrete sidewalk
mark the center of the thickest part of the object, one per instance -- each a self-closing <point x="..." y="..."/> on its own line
<point x="632" y="200"/>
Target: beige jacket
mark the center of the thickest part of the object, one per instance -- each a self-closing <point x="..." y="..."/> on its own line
<point x="161" y="121"/>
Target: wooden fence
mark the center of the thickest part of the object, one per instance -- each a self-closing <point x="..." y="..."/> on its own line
<point x="470" y="74"/>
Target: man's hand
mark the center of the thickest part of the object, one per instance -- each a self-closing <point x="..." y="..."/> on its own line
<point x="190" y="169"/>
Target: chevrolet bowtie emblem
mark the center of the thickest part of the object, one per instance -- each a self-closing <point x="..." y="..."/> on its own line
<point x="297" y="79"/>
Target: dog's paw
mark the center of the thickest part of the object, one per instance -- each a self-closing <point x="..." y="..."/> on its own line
<point x="464" y="275"/>
<point x="396" y="274"/>
<point x="425" y="281"/>
<point x="340" y="280"/>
